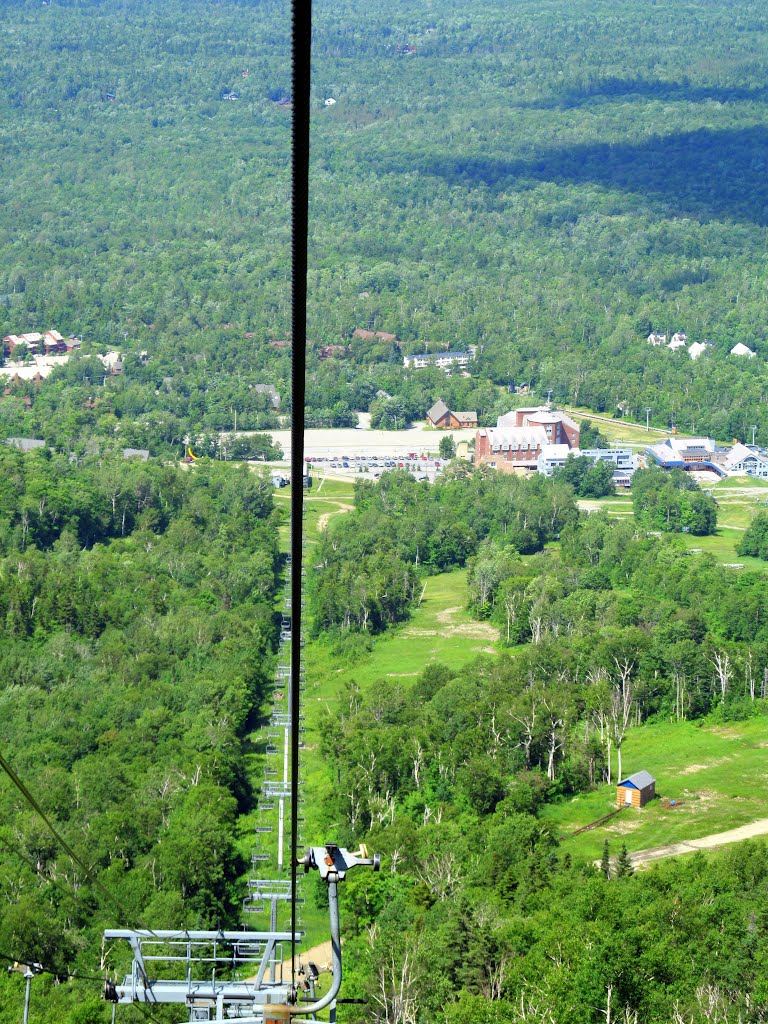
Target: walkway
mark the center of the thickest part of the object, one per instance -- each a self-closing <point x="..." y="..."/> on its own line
<point x="734" y="835"/>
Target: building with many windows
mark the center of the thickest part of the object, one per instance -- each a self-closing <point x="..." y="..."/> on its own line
<point x="622" y="460"/>
<point x="520" y="436"/>
<point x="445" y="360"/>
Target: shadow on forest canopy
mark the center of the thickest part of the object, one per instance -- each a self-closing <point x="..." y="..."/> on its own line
<point x="705" y="174"/>
<point x="610" y="88"/>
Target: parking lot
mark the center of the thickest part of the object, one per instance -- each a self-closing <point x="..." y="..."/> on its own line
<point x="423" y="467"/>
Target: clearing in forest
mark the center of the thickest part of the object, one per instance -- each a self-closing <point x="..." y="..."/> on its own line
<point x="709" y="779"/>
<point x="738" y="499"/>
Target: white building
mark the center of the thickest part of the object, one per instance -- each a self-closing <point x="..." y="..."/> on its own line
<point x="742" y="459"/>
<point x="697" y="348"/>
<point x="657" y="339"/>
<point x="742" y="350"/>
<point x="679" y="340"/>
<point x="445" y="360"/>
<point x="554" y="456"/>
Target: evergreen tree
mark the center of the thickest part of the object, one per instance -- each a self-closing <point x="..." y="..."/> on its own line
<point x="623" y="863"/>
<point x="605" y="861"/>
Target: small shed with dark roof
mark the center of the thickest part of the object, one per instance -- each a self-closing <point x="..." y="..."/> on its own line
<point x="636" y="790"/>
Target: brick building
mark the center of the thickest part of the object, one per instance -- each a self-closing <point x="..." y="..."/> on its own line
<point x="517" y="440"/>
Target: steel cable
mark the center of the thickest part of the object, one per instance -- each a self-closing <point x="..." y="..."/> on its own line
<point x="301" y="51"/>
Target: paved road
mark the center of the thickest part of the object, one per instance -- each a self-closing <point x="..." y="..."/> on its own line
<point x="734" y="835"/>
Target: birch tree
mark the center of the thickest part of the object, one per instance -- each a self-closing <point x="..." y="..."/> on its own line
<point x="723" y="666"/>
<point x="621" y="707"/>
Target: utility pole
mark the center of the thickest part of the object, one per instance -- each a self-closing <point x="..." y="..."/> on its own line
<point x="647" y="419"/>
<point x="29" y="971"/>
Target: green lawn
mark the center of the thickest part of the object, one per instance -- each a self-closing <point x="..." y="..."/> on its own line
<point x="440" y="629"/>
<point x="327" y="498"/>
<point x="736" y="507"/>
<point x="738" y="499"/>
<point x="739" y="483"/>
<point x="717" y="774"/>
<point x="618" y="432"/>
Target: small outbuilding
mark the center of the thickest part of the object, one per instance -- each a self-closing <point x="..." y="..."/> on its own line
<point x="636" y="790"/>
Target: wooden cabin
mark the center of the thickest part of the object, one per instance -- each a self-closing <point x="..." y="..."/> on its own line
<point x="636" y="790"/>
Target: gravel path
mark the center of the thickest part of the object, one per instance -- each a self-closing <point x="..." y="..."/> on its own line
<point x="734" y="835"/>
<point x="323" y="520"/>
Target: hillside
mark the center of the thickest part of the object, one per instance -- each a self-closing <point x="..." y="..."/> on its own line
<point x="550" y="187"/>
<point x="538" y="188"/>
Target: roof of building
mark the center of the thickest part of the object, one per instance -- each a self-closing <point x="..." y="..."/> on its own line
<point x="558" y="451"/>
<point x="697" y="348"/>
<point x="438" y="410"/>
<point x="509" y="419"/>
<point x="546" y="416"/>
<point x="742" y="350"/>
<point x="516" y="437"/>
<point x="136" y="453"/>
<point x="535" y="414"/>
<point x="440" y="355"/>
<point x="739" y="452"/>
<point x="466" y="417"/>
<point x="30" y="371"/>
<point x="110" y="359"/>
<point x="639" y="780"/>
<point x="268" y="389"/>
<point x="664" y="454"/>
<point x="681" y="444"/>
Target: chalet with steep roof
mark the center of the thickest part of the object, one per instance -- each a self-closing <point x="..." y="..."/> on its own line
<point x="442" y="418"/>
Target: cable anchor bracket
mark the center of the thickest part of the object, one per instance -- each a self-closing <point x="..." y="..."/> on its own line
<point x="333" y="862"/>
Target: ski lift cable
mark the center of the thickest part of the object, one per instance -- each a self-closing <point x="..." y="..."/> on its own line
<point x="89" y="873"/>
<point x="33" y="803"/>
<point x="71" y="976"/>
<point x="42" y="969"/>
<point x="301" y="11"/>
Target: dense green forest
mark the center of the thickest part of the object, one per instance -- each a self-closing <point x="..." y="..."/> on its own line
<point x="549" y="183"/>
<point x="136" y="603"/>
<point x="484" y="917"/>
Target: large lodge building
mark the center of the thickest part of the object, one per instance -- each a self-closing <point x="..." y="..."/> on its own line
<point x="520" y="436"/>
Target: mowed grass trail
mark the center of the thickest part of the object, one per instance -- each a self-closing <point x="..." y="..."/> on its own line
<point x="324" y="500"/>
<point x="716" y="774"/>
<point x="738" y="499"/>
<point x="440" y="629"/>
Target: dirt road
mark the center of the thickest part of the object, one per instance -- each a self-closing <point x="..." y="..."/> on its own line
<point x="322" y="520"/>
<point x="734" y="835"/>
